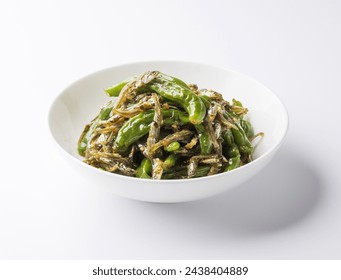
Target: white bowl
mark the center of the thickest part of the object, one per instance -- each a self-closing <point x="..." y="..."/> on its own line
<point x="80" y="102"/>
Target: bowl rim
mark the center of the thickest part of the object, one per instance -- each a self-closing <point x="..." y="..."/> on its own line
<point x="171" y="181"/>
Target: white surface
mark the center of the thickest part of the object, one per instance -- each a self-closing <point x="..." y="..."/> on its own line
<point x="81" y="101"/>
<point x="291" y="210"/>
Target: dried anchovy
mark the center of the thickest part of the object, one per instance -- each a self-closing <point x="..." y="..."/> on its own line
<point x="129" y="91"/>
<point x="157" y="168"/>
<point x="192" y="143"/>
<point x="209" y="127"/>
<point x="213" y="160"/>
<point x="177" y="136"/>
<point x="211" y="94"/>
<point x="155" y="127"/>
<point x="154" y="133"/>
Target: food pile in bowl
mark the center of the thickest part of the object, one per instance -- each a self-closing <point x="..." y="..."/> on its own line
<point x="159" y="127"/>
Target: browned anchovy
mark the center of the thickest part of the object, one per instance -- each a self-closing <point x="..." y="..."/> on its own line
<point x="177" y="136"/>
<point x="129" y="91"/>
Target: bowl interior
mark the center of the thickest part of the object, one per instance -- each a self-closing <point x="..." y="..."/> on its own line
<point x="79" y="103"/>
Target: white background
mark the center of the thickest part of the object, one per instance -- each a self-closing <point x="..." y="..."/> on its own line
<point x="291" y="210"/>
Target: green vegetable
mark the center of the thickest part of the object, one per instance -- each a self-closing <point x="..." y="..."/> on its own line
<point x="135" y="128"/>
<point x="104" y="114"/>
<point x="173" y="116"/>
<point x="204" y="139"/>
<point x="201" y="171"/>
<point x="241" y="139"/>
<point x="171" y="79"/>
<point x="228" y="137"/>
<point x="83" y="142"/>
<point x="174" y="90"/>
<point x="170" y="161"/>
<point x="173" y="147"/>
<point x="236" y="103"/>
<point x="145" y="169"/>
<point x="234" y="158"/>
<point x="233" y="163"/>
<point x="115" y="90"/>
<point x="247" y="127"/>
<point x="206" y="100"/>
<point x="138" y="126"/>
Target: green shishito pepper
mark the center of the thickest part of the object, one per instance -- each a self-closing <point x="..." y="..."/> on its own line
<point x="139" y="126"/>
<point x="115" y="90"/>
<point x="247" y="127"/>
<point x="233" y="152"/>
<point x="228" y="137"/>
<point x="201" y="171"/>
<point x="206" y="100"/>
<point x="170" y="161"/>
<point x="104" y="114"/>
<point x="241" y="139"/>
<point x="240" y="136"/>
<point x="234" y="158"/>
<point x="204" y="139"/>
<point x="145" y="169"/>
<point x="172" y="147"/>
<point x="178" y="92"/>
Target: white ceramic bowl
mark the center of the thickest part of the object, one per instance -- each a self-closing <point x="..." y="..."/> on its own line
<point x="80" y="102"/>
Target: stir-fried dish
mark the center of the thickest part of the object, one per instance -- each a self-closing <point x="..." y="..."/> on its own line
<point x="159" y="127"/>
